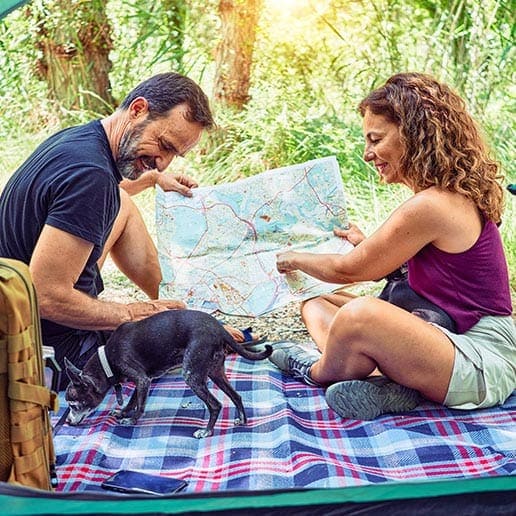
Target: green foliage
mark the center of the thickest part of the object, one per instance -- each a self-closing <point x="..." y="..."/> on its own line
<point x="158" y="36"/>
<point x="313" y="63"/>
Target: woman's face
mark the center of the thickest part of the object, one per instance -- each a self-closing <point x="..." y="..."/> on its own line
<point x="383" y="147"/>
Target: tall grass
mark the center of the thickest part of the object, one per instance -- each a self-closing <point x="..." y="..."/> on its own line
<point x="311" y="68"/>
<point x="238" y="151"/>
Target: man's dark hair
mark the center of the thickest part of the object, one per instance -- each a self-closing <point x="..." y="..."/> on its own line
<point x="167" y="90"/>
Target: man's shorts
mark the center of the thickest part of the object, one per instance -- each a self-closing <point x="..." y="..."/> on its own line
<point x="78" y="346"/>
<point x="484" y="371"/>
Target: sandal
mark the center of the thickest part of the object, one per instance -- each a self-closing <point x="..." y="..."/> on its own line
<point x="250" y="339"/>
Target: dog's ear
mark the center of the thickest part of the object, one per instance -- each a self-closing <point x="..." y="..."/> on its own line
<point x="73" y="372"/>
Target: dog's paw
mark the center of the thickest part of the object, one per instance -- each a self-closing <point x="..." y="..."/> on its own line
<point x="123" y="418"/>
<point x="202" y="432"/>
<point x="127" y="420"/>
<point x="239" y="421"/>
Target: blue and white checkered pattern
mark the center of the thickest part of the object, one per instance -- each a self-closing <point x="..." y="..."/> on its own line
<point x="292" y="439"/>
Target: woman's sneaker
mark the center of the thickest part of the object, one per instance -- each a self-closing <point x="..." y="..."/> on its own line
<point x="368" y="399"/>
<point x="295" y="362"/>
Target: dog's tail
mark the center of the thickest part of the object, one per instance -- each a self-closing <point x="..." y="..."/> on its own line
<point x="246" y="353"/>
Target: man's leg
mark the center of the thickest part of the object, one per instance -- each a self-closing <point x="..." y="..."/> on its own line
<point x="77" y="346"/>
<point x="132" y="249"/>
<point x="134" y="253"/>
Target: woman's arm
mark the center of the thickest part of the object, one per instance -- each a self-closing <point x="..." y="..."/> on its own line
<point x="409" y="228"/>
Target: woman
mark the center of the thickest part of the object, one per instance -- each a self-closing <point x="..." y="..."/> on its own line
<point x="376" y="357"/>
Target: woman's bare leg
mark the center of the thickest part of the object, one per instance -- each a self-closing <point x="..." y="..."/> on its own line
<point x="367" y="333"/>
<point x="319" y="312"/>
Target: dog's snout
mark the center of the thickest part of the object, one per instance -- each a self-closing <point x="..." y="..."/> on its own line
<point x="71" y="420"/>
<point x="75" y="417"/>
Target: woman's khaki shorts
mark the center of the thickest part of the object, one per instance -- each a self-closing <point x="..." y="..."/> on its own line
<point x="484" y="371"/>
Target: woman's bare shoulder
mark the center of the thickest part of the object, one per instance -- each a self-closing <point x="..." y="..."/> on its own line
<point x="426" y="205"/>
<point x="438" y="200"/>
<point x="456" y="217"/>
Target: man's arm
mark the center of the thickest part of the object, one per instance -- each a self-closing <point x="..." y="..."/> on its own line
<point x="168" y="182"/>
<point x="57" y="262"/>
<point x="135" y="186"/>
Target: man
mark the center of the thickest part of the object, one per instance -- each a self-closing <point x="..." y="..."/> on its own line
<point x="62" y="211"/>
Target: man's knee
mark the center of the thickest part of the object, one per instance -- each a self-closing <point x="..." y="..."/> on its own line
<point x="128" y="209"/>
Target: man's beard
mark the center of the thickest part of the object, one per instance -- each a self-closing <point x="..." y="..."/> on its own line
<point x="126" y="160"/>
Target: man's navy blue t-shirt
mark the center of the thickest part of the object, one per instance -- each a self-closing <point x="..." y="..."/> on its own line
<point x="69" y="182"/>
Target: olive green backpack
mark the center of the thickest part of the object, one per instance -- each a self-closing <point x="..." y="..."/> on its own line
<point x="27" y="454"/>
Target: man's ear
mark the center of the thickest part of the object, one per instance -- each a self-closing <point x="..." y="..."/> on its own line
<point x="139" y="108"/>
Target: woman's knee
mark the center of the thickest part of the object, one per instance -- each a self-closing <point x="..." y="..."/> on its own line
<point x="312" y="309"/>
<point x="359" y="314"/>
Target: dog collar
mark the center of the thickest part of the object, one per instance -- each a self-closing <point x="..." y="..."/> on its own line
<point x="109" y="373"/>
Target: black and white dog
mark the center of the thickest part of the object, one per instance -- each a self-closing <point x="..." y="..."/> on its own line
<point x="143" y="350"/>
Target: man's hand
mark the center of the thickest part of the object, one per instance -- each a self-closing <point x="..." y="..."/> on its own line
<point x="142" y="309"/>
<point x="180" y="183"/>
<point x="352" y="234"/>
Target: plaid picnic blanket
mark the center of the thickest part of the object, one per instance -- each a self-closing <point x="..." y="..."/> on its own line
<point x="292" y="439"/>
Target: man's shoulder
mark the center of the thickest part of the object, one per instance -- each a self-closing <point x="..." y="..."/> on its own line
<point x="80" y="140"/>
<point x="74" y="150"/>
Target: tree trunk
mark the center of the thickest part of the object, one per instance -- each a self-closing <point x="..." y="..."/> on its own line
<point x="235" y="51"/>
<point x="74" y="38"/>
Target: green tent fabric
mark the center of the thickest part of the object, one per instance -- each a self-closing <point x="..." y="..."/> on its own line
<point x="6" y="6"/>
<point x="495" y="496"/>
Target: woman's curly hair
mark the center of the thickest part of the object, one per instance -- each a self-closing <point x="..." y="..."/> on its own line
<point x="442" y="143"/>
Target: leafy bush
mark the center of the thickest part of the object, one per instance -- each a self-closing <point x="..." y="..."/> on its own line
<point x="312" y="65"/>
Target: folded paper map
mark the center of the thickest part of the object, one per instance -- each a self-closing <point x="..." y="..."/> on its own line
<point x="218" y="249"/>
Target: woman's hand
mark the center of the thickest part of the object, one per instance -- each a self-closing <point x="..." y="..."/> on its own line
<point x="352" y="234"/>
<point x="287" y="261"/>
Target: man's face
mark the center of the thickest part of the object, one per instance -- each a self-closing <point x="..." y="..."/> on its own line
<point x="153" y="144"/>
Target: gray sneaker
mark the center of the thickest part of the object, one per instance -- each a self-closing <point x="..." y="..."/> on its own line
<point x="368" y="399"/>
<point x="295" y="361"/>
